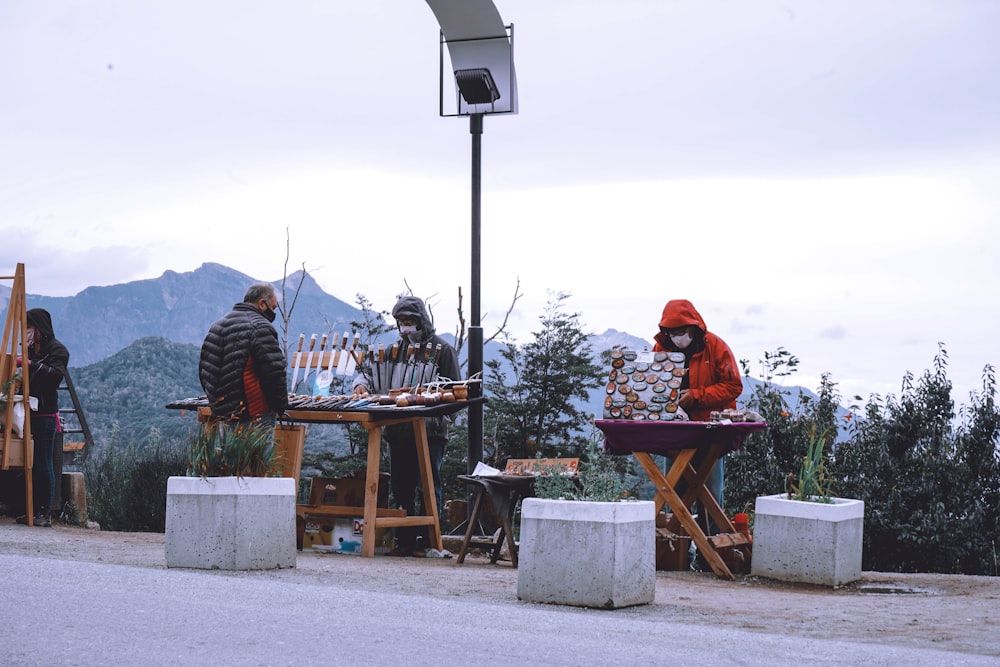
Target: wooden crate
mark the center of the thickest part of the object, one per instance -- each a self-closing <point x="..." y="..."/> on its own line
<point x="16" y="457"/>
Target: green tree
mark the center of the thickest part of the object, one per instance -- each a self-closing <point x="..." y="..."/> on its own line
<point x="532" y="389"/>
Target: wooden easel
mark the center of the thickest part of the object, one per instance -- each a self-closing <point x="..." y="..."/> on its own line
<point x="16" y="453"/>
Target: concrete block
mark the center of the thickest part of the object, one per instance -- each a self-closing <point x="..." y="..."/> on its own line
<point x="587" y="554"/>
<point x="74" y="491"/>
<point x="808" y="542"/>
<point x="230" y="523"/>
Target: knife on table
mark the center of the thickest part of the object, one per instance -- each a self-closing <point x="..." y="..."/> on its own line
<point x="298" y="362"/>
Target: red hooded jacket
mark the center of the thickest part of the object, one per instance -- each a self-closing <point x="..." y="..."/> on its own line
<point x="713" y="374"/>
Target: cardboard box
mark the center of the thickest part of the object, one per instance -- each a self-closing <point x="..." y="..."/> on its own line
<point x="345" y="536"/>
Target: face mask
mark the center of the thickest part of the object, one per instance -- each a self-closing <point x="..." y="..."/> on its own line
<point x="31" y="336"/>
<point x="682" y="341"/>
<point x="407" y="329"/>
<point x="269" y="315"/>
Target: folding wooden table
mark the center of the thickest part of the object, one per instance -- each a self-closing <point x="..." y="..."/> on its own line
<point x="374" y="419"/>
<point x="695" y="448"/>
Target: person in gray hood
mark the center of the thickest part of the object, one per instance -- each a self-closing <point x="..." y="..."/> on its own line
<point x="416" y="328"/>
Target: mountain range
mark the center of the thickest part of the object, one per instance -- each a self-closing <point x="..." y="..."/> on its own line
<point x="134" y="346"/>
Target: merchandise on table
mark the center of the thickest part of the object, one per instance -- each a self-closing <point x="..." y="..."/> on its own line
<point x="645" y="386"/>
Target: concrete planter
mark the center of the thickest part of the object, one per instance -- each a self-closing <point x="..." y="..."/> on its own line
<point x="231" y="523"/>
<point x="587" y="554"/>
<point x="814" y="543"/>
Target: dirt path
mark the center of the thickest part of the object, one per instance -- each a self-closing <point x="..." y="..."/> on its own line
<point x="957" y="613"/>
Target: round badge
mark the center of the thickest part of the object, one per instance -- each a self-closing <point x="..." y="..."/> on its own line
<point x="623" y="389"/>
<point x="652" y="378"/>
<point x="627" y="411"/>
<point x="659" y="387"/>
<point x="608" y="402"/>
<point x="655" y="408"/>
<point x="656" y="367"/>
<point x="628" y="369"/>
<point x="679" y="372"/>
<point x="653" y="417"/>
<point x="638" y="377"/>
<point x="631" y="397"/>
<point x="618" y="403"/>
<point x="616" y="412"/>
<point x="639" y="405"/>
<point x="658" y="398"/>
<point x="659" y="356"/>
<point x="638" y="417"/>
<point x="630" y="355"/>
<point x="670" y="407"/>
<point x="617" y="354"/>
<point x="622" y="378"/>
<point x="617" y="363"/>
<point x="641" y="366"/>
<point x="674" y="383"/>
<point x="611" y="387"/>
<point x="613" y="374"/>
<point x="638" y="386"/>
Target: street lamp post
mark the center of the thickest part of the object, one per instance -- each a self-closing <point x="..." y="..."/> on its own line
<point x="481" y="51"/>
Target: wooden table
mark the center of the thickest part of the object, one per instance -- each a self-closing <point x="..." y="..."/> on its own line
<point x="374" y="419"/>
<point x="695" y="448"/>
<point x="502" y="492"/>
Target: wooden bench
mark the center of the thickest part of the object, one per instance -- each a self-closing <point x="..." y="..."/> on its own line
<point x="502" y="492"/>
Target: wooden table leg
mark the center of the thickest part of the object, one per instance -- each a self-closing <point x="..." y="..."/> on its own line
<point x="427" y="483"/>
<point x="371" y="491"/>
<point x="665" y="485"/>
<point x="472" y="522"/>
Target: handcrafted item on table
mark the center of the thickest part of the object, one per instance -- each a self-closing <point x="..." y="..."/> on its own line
<point x="645" y="386"/>
<point x="390" y="368"/>
<point x="323" y="364"/>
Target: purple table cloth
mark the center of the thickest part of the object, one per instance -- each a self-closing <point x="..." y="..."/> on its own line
<point x="664" y="437"/>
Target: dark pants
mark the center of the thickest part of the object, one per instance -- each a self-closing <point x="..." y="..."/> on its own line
<point x="43" y="432"/>
<point x="404" y="469"/>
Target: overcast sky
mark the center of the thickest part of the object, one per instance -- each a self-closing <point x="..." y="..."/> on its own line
<point x="814" y="175"/>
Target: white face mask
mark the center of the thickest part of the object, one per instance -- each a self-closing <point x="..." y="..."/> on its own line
<point x="407" y="329"/>
<point x="31" y="336"/>
<point x="681" y="341"/>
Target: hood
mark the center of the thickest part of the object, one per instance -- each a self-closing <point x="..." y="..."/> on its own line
<point x="681" y="313"/>
<point x="411" y="306"/>
<point x="42" y="321"/>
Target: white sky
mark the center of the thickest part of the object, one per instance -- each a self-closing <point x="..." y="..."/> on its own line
<point x="814" y="175"/>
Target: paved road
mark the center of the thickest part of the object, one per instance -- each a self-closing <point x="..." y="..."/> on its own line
<point x="64" y="612"/>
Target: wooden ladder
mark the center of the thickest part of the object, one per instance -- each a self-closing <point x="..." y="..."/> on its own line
<point x="17" y="451"/>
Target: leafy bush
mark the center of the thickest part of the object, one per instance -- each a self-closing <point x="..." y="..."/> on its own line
<point x="127" y="485"/>
<point x="223" y="449"/>
<point x="930" y="478"/>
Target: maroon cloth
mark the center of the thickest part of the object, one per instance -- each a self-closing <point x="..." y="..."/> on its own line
<point x="664" y="437"/>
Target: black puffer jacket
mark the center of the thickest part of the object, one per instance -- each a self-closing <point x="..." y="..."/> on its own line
<point x="240" y="335"/>
<point x="48" y="363"/>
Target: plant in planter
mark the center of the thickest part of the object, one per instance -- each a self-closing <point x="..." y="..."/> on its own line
<point x="583" y="544"/>
<point x="807" y="534"/>
<point x="230" y="512"/>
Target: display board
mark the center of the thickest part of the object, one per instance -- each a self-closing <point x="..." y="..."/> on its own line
<point x="645" y="386"/>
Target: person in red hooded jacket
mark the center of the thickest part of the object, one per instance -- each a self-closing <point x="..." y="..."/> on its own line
<point x="713" y="378"/>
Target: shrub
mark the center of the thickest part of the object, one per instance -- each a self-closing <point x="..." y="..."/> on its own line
<point x="127" y="485"/>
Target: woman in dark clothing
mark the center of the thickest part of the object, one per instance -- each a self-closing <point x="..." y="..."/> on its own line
<point x="46" y="363"/>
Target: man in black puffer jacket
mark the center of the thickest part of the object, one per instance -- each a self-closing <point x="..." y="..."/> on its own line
<point x="242" y="366"/>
